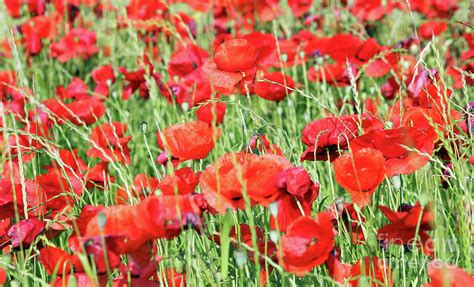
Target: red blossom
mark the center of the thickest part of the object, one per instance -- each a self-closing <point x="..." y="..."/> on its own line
<point x="306" y="244"/>
<point x="275" y="86"/>
<point x="104" y="77"/>
<point x="109" y="143"/>
<point x="405" y="149"/>
<point x="326" y="137"/>
<point x="190" y="140"/>
<point x="211" y="113"/>
<point x="25" y="232"/>
<point x="432" y="28"/>
<point x="77" y="43"/>
<point x="360" y="173"/>
<point x="223" y="188"/>
<point x="404" y="225"/>
<point x="181" y="181"/>
<point x="445" y="275"/>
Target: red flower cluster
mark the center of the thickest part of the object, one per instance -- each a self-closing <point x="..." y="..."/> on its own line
<point x="81" y="191"/>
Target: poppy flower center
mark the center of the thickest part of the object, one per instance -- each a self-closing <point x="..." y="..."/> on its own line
<point x="313" y="241"/>
<point x="236" y="198"/>
<point x="176" y="90"/>
<point x="316" y="54"/>
<point x="8" y="97"/>
<point x="404" y="207"/>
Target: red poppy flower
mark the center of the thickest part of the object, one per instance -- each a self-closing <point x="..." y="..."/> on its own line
<point x="6" y="50"/>
<point x="306" y="244"/>
<point x="34" y="7"/>
<point x="377" y="59"/>
<point x="222" y="182"/>
<point x="55" y="260"/>
<point x="289" y="208"/>
<point x="297" y="182"/>
<point x="143" y="15"/>
<point x="5" y="224"/>
<point x="404" y="225"/>
<point x="237" y="55"/>
<point x="184" y="24"/>
<point x="187" y="60"/>
<point x="234" y="60"/>
<point x="212" y="113"/>
<point x="343" y="47"/>
<point x="432" y="28"/>
<point x="300" y="7"/>
<point x="405" y="149"/>
<point x="266" y="44"/>
<point x="375" y="270"/>
<point x="35" y="197"/>
<point x="192" y="92"/>
<point x="78" y="42"/>
<point x="153" y="218"/>
<point x="298" y="193"/>
<point x="76" y="90"/>
<point x="109" y="143"/>
<point x="456" y="75"/>
<point x="144" y="10"/>
<point x="419" y="82"/>
<point x="181" y="181"/>
<point x="360" y="173"/>
<point x="434" y="8"/>
<point x="61" y="191"/>
<point x="25" y="145"/>
<point x="245" y="13"/>
<point x="274" y="87"/>
<point x="445" y="275"/>
<point x="137" y="80"/>
<point x="190" y="140"/>
<point x="434" y="97"/>
<point x="433" y="123"/>
<point x="95" y="246"/>
<point x="36" y="29"/>
<point x="334" y="74"/>
<point x="72" y="163"/>
<point x="288" y="54"/>
<point x="382" y="65"/>
<point x="371" y="10"/>
<point x="104" y="77"/>
<point x="314" y="47"/>
<point x="259" y="173"/>
<point x="11" y="97"/>
<point x="25" y="232"/>
<point x="3" y="276"/>
<point x="86" y="111"/>
<point x="325" y="137"/>
<point x="337" y="270"/>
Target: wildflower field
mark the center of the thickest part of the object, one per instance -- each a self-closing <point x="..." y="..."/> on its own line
<point x="236" y="143"/>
